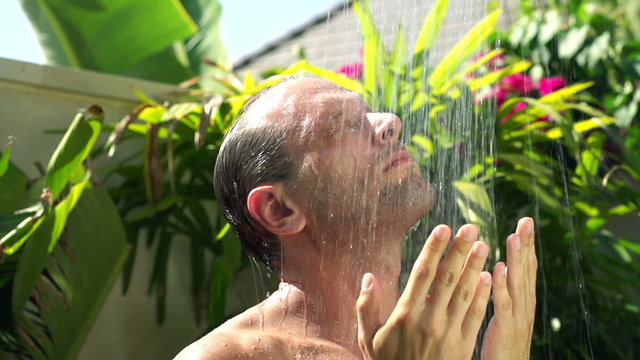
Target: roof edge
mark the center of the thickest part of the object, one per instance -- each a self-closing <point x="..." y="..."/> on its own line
<point x="293" y="34"/>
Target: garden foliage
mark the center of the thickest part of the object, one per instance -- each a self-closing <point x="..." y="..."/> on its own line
<point x="563" y="153"/>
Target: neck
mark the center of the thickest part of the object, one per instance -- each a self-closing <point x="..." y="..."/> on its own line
<point x="321" y="278"/>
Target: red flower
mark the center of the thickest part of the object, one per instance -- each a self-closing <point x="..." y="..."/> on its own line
<point x="352" y="70"/>
<point x="548" y="85"/>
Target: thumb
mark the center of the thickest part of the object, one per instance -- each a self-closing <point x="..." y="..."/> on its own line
<point x="368" y="312"/>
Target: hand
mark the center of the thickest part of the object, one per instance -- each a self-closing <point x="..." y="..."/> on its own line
<point x="508" y="336"/>
<point x="440" y="312"/>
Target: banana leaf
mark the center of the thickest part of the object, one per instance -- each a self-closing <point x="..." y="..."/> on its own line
<point x="153" y="39"/>
<point x="57" y="298"/>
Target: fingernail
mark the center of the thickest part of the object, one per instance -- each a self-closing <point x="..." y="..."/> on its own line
<point x="504" y="273"/>
<point x="486" y="277"/>
<point x="366" y="282"/>
<point x="469" y="234"/>
<point x="527" y="223"/>
<point x="441" y="234"/>
<point x="481" y="251"/>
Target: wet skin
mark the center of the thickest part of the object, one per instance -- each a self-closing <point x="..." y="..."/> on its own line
<point x="341" y="226"/>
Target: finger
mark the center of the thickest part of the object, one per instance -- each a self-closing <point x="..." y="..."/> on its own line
<point x="425" y="267"/>
<point x="478" y="308"/>
<point x="467" y="286"/>
<point x="450" y="270"/>
<point x="526" y="231"/>
<point x="515" y="278"/>
<point x="368" y="313"/>
<point x="502" y="304"/>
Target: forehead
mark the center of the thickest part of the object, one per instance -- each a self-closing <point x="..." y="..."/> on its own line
<point x="307" y="104"/>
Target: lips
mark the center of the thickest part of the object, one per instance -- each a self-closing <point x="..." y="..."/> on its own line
<point x="399" y="158"/>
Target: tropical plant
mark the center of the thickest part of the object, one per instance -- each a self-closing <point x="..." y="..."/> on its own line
<point x="55" y="268"/>
<point x="552" y="161"/>
<point x="586" y="40"/>
<point x="161" y="40"/>
<point x="557" y="155"/>
<point x="591" y="175"/>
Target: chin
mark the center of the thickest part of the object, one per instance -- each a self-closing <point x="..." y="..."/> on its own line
<point x="408" y="201"/>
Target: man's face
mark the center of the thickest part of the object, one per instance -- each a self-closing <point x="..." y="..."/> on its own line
<point x="355" y="174"/>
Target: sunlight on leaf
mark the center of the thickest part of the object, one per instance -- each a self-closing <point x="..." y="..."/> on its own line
<point x="476" y="194"/>
<point x="72" y="150"/>
<point x="431" y="26"/>
<point x="467" y="46"/>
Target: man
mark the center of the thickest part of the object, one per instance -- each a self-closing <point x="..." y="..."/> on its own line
<point x="319" y="187"/>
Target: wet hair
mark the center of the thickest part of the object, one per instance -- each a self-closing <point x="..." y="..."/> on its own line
<point x="250" y="157"/>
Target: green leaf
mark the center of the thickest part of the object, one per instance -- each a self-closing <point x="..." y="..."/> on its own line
<point x="551" y="26"/>
<point x="565" y="93"/>
<point x="97" y="34"/>
<point x="373" y="51"/>
<point x="635" y="247"/>
<point x="572" y="42"/>
<point x="153" y="114"/>
<point x="595" y="223"/>
<point x="431" y="26"/>
<point x="145" y="213"/>
<point x="207" y="42"/>
<point x="223" y="232"/>
<point x="586" y="208"/>
<point x="475" y="194"/>
<point x="467" y="46"/>
<point x="303" y="66"/>
<point x="64" y="304"/>
<point x="621" y="209"/>
<point x="589" y="161"/>
<point x="392" y="72"/>
<point x="527" y="164"/>
<point x="493" y="77"/>
<point x="581" y="126"/>
<point x="13" y="189"/>
<point x="14" y="239"/>
<point x="72" y="150"/>
<point x="424" y="142"/>
<point x="32" y="261"/>
<point x="4" y="160"/>
<point x="63" y="209"/>
<point x="597" y="50"/>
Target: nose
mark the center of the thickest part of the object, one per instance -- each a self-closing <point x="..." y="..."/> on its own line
<point x="387" y="127"/>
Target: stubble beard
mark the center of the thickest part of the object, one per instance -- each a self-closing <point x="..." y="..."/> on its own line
<point x="393" y="207"/>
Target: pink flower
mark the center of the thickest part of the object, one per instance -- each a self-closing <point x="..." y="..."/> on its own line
<point x="497" y="62"/>
<point x="496" y="92"/>
<point x="519" y="83"/>
<point x="352" y="70"/>
<point x="548" y="85"/>
<point x="519" y="107"/>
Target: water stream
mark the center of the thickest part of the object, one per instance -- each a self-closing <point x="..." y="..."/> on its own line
<point x="468" y="153"/>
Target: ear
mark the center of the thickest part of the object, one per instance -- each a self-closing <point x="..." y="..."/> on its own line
<point x="270" y="206"/>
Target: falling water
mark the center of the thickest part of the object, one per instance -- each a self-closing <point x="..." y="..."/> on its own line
<point x="452" y="162"/>
<point x="472" y="154"/>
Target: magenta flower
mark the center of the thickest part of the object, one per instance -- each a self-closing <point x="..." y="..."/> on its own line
<point x="352" y="70"/>
<point x="548" y="85"/>
<point x="519" y="107"/>
<point x="519" y="83"/>
<point x="497" y="62"/>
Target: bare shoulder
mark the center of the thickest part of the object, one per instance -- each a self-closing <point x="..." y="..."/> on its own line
<point x="224" y="344"/>
<point x="240" y="338"/>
